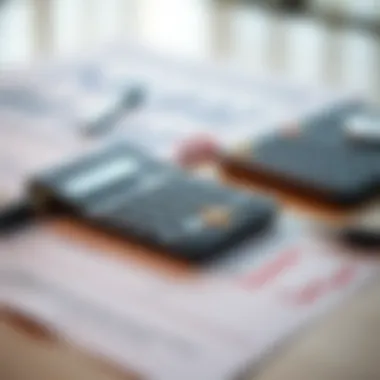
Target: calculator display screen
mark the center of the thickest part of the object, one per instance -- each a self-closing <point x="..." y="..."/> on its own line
<point x="101" y="175"/>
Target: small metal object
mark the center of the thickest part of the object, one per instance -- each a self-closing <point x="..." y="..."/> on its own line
<point x="362" y="237"/>
<point x="364" y="228"/>
<point x="361" y="230"/>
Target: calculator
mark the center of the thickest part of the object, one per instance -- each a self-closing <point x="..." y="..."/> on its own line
<point x="124" y="190"/>
<point x="318" y="162"/>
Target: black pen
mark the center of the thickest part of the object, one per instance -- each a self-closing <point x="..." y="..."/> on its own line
<point x="364" y="228"/>
<point x="15" y="215"/>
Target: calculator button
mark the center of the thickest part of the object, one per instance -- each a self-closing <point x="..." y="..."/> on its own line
<point x="192" y="225"/>
<point x="217" y="216"/>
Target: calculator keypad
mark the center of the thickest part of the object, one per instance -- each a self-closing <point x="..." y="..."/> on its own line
<point x="188" y="215"/>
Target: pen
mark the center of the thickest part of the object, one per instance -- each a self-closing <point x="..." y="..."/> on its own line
<point x="103" y="124"/>
<point x="15" y="215"/>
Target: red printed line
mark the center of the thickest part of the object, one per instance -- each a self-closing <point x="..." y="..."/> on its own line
<point x="269" y="272"/>
<point x="308" y="294"/>
<point x="318" y="288"/>
<point x="343" y="277"/>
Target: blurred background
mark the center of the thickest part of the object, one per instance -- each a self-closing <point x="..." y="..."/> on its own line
<point x="319" y="41"/>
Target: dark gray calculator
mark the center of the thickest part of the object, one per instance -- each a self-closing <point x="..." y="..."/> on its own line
<point x="318" y="160"/>
<point x="122" y="189"/>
